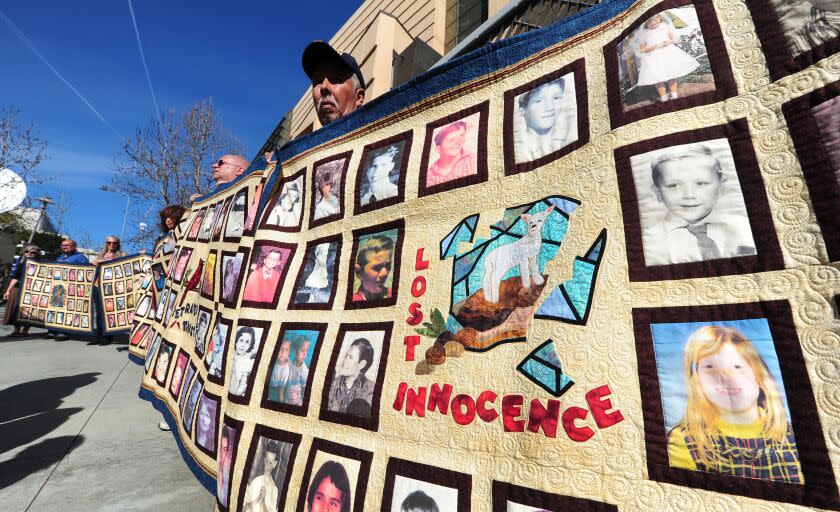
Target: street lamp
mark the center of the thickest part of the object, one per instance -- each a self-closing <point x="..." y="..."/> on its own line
<point x="44" y="202"/>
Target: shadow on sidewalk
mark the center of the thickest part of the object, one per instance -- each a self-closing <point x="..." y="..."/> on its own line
<point x="31" y="409"/>
<point x="35" y="458"/>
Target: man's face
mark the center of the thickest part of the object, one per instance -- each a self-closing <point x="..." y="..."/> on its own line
<point x="68" y="247"/>
<point x="375" y="272"/>
<point x="380" y="168"/>
<point x="225" y="170"/>
<point x="352" y="364"/>
<point x="689" y="189"/>
<point x="271" y="260"/>
<point x="334" y="93"/>
<point x="327" y="497"/>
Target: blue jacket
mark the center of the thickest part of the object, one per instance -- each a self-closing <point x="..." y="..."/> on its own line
<point x="76" y="257"/>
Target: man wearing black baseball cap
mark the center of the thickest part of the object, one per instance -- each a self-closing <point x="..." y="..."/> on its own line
<point x="338" y="86"/>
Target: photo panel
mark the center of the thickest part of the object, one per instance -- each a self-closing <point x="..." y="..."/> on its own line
<point x="317" y="280"/>
<point x="150" y="354"/>
<point x="455" y="151"/>
<point x="335" y="474"/>
<point x="717" y="383"/>
<point x="246" y="345"/>
<point x="380" y="179"/>
<point x="671" y="58"/>
<point x="206" y="423"/>
<point x="202" y="329"/>
<point x="158" y="275"/>
<point x="144" y="307"/>
<point x="814" y="124"/>
<point x="695" y="205"/>
<point x="412" y="486"/>
<point x="206" y="229"/>
<point x="374" y="275"/>
<point x="208" y="276"/>
<point x="513" y="498"/>
<point x="217" y="348"/>
<point x="285" y="209"/>
<point x="546" y="118"/>
<point x="232" y="275"/>
<point x="268" y="469"/>
<point x="235" y="225"/>
<point x="328" y="177"/>
<point x="164" y="358"/>
<point x="188" y="413"/>
<point x="288" y="386"/>
<point x="353" y="384"/>
<point x="228" y="449"/>
<point x="796" y="33"/>
<point x="185" y="387"/>
<point x="180" y="267"/>
<point x="178" y="374"/>
<point x="196" y="224"/>
<point x="266" y="272"/>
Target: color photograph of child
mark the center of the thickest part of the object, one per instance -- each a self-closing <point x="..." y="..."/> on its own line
<point x="691" y="206"/>
<point x="372" y="276"/>
<point x="208" y="283"/>
<point x="267" y="269"/>
<point x="454" y="151"/>
<point x="289" y="376"/>
<point x="231" y="267"/>
<point x="665" y="58"/>
<point x="205" y="429"/>
<point x="328" y="179"/>
<point x="723" y="399"/>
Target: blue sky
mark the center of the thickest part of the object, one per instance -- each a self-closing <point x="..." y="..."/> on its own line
<point x="245" y="55"/>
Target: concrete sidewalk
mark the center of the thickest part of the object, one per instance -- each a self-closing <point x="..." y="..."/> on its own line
<point x="75" y="436"/>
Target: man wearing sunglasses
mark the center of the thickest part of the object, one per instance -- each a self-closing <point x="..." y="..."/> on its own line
<point x="338" y="87"/>
<point x="225" y="170"/>
<point x="69" y="254"/>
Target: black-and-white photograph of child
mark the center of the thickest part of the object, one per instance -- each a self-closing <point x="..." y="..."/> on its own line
<point x="382" y="168"/>
<point x="267" y="477"/>
<point x="664" y="59"/>
<point x="245" y="347"/>
<point x="691" y="205"/>
<point x="807" y="24"/>
<point x="545" y="119"/>
<point x="410" y="495"/>
<point x="318" y="282"/>
<point x="328" y="179"/>
<point x="205" y="427"/>
<point x="236" y="217"/>
<point x="827" y="117"/>
<point x="355" y="373"/>
<point x="202" y="323"/>
<point x="214" y="360"/>
<point x="287" y="210"/>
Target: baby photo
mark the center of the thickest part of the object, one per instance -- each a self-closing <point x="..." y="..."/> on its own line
<point x="246" y="345"/>
<point x="287" y="209"/>
<point x="723" y="400"/>
<point x="691" y="206"/>
<point x="380" y="178"/>
<point x="545" y="119"/>
<point x="288" y="380"/>
<point x="327" y="192"/>
<point x="231" y="267"/>
<point x="269" y="265"/>
<point x="665" y="58"/>
<point x="316" y="283"/>
<point x="373" y="260"/>
<point x="354" y="373"/>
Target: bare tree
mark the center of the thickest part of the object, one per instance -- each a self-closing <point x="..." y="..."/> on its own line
<point x="61" y="208"/>
<point x="21" y="148"/>
<point x="168" y="160"/>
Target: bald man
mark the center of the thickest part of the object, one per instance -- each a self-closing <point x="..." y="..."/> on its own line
<point x="225" y="170"/>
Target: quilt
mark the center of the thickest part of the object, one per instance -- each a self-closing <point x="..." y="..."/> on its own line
<point x="593" y="267"/>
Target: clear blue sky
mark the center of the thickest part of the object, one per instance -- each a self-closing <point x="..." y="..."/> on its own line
<point x="245" y="55"/>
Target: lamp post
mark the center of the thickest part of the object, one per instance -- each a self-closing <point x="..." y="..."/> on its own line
<point x="44" y="202"/>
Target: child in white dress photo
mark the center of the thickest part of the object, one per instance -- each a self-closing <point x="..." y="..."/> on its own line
<point x="662" y="62"/>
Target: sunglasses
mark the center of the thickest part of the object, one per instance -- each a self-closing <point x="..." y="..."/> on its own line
<point x="222" y="162"/>
<point x="111" y="243"/>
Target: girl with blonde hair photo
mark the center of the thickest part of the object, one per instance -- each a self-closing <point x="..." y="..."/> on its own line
<point x="735" y="420"/>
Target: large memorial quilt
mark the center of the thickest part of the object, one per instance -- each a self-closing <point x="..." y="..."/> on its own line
<point x="593" y="267"/>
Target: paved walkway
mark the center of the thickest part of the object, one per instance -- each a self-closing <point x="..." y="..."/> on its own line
<point x="75" y="436"/>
